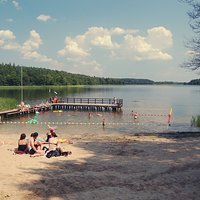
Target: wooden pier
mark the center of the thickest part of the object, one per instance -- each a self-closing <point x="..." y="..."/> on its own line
<point x="85" y="104"/>
<point x="15" y="112"/>
<point x="81" y="104"/>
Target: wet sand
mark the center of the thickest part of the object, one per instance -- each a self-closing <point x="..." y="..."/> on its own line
<point x="106" y="166"/>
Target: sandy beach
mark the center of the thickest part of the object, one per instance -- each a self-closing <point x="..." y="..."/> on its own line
<point x="107" y="166"/>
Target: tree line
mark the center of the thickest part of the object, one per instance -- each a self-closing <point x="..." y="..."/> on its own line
<point x="10" y="75"/>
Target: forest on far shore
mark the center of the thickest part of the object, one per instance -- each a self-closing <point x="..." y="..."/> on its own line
<point x="10" y="75"/>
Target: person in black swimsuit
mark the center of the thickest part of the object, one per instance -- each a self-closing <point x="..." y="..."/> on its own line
<point x="22" y="145"/>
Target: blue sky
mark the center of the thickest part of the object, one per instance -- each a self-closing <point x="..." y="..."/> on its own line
<point x="105" y="38"/>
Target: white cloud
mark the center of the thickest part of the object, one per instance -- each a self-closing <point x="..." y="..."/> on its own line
<point x="101" y="37"/>
<point x="160" y="37"/>
<point x="44" y="18"/>
<point x="6" y="35"/>
<point x="7" y="40"/>
<point x="81" y="45"/>
<point x="103" y="41"/>
<point x="31" y="44"/>
<point x="120" y="31"/>
<point x="11" y="46"/>
<point x="138" y="48"/>
<point x="97" y="47"/>
<point x="30" y="47"/>
<point x="16" y="5"/>
<point x="117" y="43"/>
<point x="73" y="49"/>
<point x="135" y="46"/>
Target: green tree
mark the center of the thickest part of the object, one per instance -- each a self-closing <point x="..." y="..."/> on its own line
<point x="10" y="74"/>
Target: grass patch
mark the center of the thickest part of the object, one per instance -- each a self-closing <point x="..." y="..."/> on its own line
<point x="40" y="87"/>
<point x="7" y="103"/>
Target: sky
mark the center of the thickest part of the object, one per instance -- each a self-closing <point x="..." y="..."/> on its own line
<point x="103" y="38"/>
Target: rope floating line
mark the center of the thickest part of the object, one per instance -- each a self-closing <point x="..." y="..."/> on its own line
<point x="81" y="123"/>
<point x="71" y="123"/>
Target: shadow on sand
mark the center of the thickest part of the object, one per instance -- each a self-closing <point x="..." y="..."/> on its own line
<point x="125" y="168"/>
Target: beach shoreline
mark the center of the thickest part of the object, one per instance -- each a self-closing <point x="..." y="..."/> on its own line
<point x="106" y="166"/>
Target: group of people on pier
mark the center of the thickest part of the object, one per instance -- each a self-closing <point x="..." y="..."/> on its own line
<point x="55" y="99"/>
<point x="49" y="147"/>
<point x="25" y="107"/>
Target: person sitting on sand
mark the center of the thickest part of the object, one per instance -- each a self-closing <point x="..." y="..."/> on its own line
<point x="54" y="147"/>
<point x="35" y="146"/>
<point x="49" y="134"/>
<point x="22" y="145"/>
<point x="52" y="131"/>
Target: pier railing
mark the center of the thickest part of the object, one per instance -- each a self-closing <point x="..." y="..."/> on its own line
<point x="98" y="104"/>
<point x="118" y="102"/>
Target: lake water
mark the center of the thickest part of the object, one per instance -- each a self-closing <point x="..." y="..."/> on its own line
<point x="152" y="103"/>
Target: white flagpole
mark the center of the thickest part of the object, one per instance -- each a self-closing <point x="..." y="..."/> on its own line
<point x="22" y="94"/>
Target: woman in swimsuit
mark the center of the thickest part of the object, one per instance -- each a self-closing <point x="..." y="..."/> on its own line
<point x="54" y="147"/>
<point x="22" y="145"/>
<point x="35" y="146"/>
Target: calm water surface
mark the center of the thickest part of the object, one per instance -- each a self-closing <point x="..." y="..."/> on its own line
<point x="152" y="103"/>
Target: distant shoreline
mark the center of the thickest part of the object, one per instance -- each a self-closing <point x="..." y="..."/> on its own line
<point x="62" y="86"/>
